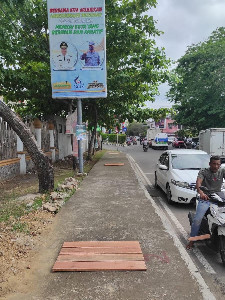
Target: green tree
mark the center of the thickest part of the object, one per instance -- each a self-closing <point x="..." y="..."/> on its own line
<point x="41" y="161"/>
<point x="135" y="65"/>
<point x="199" y="95"/>
<point x="25" y="79"/>
<point x="25" y="75"/>
<point x="136" y="129"/>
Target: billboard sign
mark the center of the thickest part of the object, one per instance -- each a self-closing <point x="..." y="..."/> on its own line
<point x="77" y="48"/>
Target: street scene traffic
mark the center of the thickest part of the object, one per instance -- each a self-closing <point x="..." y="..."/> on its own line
<point x="206" y="255"/>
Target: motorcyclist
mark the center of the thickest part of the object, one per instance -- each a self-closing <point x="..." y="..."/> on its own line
<point x="212" y="179"/>
<point x="145" y="143"/>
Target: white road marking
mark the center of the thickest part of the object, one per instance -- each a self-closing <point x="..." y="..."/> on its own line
<point x="206" y="293"/>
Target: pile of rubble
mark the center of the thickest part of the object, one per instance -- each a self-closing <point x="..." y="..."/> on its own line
<point x="53" y="202"/>
<point x="58" y="198"/>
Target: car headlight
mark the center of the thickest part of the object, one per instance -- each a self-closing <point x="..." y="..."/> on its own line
<point x="181" y="184"/>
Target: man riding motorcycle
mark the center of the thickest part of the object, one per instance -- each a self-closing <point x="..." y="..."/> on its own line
<point x="212" y="179"/>
<point x="145" y="143"/>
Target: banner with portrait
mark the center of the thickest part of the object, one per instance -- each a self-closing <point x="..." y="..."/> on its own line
<point x="77" y="48"/>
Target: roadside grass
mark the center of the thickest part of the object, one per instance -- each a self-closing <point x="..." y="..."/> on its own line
<point x="11" y="210"/>
<point x="21" y="227"/>
<point x="89" y="164"/>
<point x="61" y="175"/>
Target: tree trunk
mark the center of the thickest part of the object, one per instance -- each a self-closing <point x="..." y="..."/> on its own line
<point x="91" y="145"/>
<point x="42" y="164"/>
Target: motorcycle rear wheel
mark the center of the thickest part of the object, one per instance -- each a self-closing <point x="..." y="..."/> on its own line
<point x="222" y="248"/>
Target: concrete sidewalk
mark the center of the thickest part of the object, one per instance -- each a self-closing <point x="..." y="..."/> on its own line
<point x="111" y="205"/>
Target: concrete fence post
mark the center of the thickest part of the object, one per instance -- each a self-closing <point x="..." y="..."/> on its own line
<point x="52" y="140"/>
<point x="21" y="154"/>
<point x="38" y="125"/>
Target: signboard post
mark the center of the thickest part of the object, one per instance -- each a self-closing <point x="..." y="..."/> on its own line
<point x="77" y="52"/>
<point x="79" y="122"/>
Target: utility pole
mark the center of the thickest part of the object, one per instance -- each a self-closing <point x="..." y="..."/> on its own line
<point x="80" y="149"/>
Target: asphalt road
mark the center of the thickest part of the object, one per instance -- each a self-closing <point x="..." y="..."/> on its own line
<point x="207" y="261"/>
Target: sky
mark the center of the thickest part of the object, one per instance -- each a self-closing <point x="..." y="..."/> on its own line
<point x="184" y="22"/>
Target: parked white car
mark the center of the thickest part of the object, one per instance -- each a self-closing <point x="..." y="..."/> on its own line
<point x="176" y="173"/>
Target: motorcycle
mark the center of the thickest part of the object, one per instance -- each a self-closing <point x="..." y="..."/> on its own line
<point x="213" y="223"/>
<point x="145" y="148"/>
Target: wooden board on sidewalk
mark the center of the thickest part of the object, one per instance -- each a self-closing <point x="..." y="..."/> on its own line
<point x="100" y="256"/>
<point x="116" y="164"/>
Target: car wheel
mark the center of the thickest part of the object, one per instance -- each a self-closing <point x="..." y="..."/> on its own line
<point x="168" y="195"/>
<point x="156" y="181"/>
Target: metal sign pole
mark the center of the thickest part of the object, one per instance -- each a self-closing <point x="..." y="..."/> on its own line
<point x="79" y="122"/>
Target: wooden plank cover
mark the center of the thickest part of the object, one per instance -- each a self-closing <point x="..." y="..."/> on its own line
<point x="116" y="164"/>
<point x="100" y="266"/>
<point x="102" y="244"/>
<point x="110" y="250"/>
<point x="100" y="256"/>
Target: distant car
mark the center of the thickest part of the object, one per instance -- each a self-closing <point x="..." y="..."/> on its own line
<point x="176" y="173"/>
<point x="170" y="139"/>
<point x="179" y="143"/>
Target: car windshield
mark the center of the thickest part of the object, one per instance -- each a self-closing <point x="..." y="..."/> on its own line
<point x="190" y="161"/>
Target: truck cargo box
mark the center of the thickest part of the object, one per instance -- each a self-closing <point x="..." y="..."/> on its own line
<point x="212" y="141"/>
<point x="160" y="141"/>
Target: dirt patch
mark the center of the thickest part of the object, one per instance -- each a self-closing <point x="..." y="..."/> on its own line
<point x="23" y="227"/>
<point x="17" y="248"/>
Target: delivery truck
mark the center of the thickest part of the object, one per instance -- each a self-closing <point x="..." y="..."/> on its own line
<point x="212" y="141"/>
<point x="160" y="141"/>
<point x="151" y="133"/>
